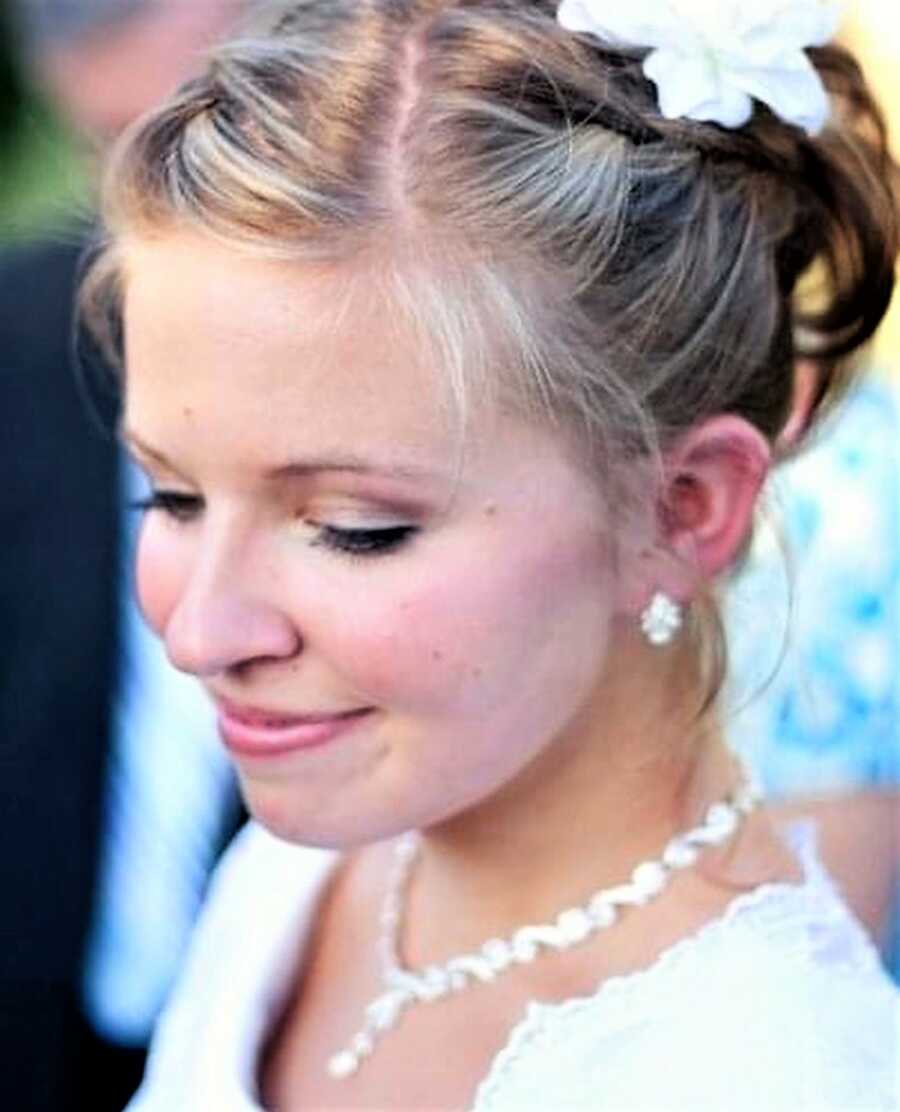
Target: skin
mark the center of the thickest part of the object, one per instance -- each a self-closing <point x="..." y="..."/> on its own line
<point x="106" y="77"/>
<point x="436" y="634"/>
<point x="498" y="646"/>
<point x="858" y="837"/>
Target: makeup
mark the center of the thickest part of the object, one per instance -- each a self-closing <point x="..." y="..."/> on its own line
<point x="249" y="732"/>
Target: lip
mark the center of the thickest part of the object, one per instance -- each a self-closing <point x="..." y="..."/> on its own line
<point x="254" y="732"/>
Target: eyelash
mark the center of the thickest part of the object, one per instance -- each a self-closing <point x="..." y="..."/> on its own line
<point x="180" y="507"/>
<point x="364" y="542"/>
<point x="349" y="542"/>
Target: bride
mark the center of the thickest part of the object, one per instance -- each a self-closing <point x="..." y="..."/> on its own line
<point x="457" y="342"/>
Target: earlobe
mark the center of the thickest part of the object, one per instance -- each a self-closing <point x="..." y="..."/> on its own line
<point x="714" y="475"/>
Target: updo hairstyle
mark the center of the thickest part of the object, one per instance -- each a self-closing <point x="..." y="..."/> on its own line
<point x="626" y="275"/>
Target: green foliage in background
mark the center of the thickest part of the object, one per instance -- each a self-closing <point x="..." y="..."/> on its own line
<point x="43" y="178"/>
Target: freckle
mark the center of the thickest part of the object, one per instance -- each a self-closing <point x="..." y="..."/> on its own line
<point x="477" y="673"/>
<point x="436" y="654"/>
<point x="490" y="511"/>
<point x="187" y="411"/>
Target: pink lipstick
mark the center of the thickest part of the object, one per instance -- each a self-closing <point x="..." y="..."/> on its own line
<point x="251" y="732"/>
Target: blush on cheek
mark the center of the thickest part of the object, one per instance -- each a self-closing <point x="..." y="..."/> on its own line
<point x="405" y="654"/>
<point x="158" y="579"/>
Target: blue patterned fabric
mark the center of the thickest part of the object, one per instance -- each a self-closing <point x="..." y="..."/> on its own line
<point x="814" y="616"/>
<point x="827" y="597"/>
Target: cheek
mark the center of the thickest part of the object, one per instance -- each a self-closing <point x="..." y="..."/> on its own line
<point x="160" y="574"/>
<point x="464" y="628"/>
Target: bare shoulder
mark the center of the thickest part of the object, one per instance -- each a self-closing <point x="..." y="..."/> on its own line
<point x="859" y="842"/>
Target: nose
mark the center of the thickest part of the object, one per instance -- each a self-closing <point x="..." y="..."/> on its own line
<point x="227" y="616"/>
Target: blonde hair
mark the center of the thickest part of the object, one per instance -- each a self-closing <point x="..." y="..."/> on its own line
<point x="629" y="274"/>
<point x="645" y="270"/>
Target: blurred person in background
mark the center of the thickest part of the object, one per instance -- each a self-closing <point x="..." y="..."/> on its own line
<point x="105" y="62"/>
<point x="110" y="820"/>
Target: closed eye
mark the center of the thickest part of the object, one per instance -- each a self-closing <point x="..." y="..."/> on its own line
<point x="364" y="542"/>
<point x="173" y="503"/>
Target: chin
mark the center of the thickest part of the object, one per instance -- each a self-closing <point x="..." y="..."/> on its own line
<point x="324" y="828"/>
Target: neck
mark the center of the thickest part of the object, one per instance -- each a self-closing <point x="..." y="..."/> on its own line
<point x="607" y="795"/>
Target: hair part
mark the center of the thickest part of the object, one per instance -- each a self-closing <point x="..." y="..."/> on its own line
<point x="547" y="231"/>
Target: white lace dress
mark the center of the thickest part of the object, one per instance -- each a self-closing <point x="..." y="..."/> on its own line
<point x="781" y="1005"/>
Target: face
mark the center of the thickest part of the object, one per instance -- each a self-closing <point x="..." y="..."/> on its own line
<point x="394" y="621"/>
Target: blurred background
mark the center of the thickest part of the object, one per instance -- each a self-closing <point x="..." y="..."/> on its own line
<point x="114" y="798"/>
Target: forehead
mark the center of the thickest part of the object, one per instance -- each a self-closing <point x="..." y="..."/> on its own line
<point x="249" y="343"/>
<point x="240" y="368"/>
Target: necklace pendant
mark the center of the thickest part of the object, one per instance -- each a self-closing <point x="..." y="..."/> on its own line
<point x="498" y="955"/>
<point x="382" y="1014"/>
<point x="433" y="984"/>
<point x="573" y="926"/>
<point x="405" y="987"/>
<point x="343" y="1065"/>
<point x="650" y="878"/>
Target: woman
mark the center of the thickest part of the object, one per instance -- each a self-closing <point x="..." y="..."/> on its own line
<point x="457" y="340"/>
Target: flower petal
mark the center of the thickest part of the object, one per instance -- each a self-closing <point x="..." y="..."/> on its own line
<point x="691" y="85"/>
<point x="807" y="24"/>
<point x="764" y="41"/>
<point x="795" y="94"/>
<point x="640" y="23"/>
<point x="732" y="108"/>
<point x="710" y="57"/>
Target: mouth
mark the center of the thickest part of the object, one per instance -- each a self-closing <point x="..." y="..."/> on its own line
<point x="255" y="732"/>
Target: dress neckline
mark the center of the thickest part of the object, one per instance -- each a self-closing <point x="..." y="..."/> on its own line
<point x="620" y="999"/>
<point x="624" y="990"/>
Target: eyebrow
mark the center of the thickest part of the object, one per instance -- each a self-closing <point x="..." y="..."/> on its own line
<point x="303" y="468"/>
<point x="131" y="440"/>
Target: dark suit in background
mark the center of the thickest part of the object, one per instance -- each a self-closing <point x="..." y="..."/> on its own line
<point x="59" y="597"/>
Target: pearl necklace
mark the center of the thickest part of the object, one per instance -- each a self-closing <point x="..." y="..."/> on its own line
<point x="406" y="987"/>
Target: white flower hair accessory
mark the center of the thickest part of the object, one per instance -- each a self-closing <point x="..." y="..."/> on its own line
<point x="709" y="59"/>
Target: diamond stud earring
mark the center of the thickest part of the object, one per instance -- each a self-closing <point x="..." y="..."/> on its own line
<point x="661" y="619"/>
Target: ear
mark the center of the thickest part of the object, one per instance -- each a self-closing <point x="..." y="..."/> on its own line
<point x="712" y="477"/>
